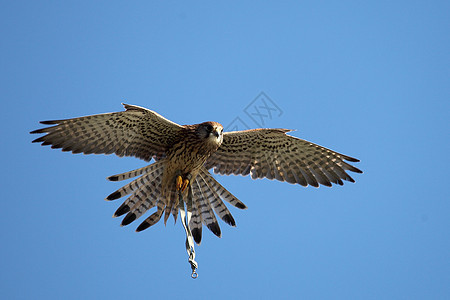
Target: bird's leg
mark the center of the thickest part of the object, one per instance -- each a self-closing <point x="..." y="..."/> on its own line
<point x="182" y="184"/>
<point x="186" y="182"/>
<point x="179" y="182"/>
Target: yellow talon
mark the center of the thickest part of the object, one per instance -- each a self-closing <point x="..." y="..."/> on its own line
<point x="185" y="184"/>
<point x="179" y="183"/>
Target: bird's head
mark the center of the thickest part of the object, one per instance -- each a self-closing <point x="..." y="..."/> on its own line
<point x="211" y="132"/>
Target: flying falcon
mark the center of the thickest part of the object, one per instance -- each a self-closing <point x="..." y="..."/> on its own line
<point x="183" y="155"/>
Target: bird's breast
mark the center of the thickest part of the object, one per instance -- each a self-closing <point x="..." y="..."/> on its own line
<point x="186" y="157"/>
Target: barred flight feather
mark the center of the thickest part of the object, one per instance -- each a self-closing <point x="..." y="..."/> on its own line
<point x="189" y="151"/>
<point x="219" y="207"/>
<point x="208" y="217"/>
<point x="196" y="221"/>
<point x="205" y="192"/>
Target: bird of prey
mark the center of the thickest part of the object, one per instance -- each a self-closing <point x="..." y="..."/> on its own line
<point x="183" y="155"/>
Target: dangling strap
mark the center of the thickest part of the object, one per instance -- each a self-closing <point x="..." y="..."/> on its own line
<point x="185" y="216"/>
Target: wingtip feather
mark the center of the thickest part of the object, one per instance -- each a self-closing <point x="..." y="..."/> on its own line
<point x="38" y="140"/>
<point x="351" y="159"/>
<point x="37" y="131"/>
<point x="50" y="122"/>
<point x="357" y="171"/>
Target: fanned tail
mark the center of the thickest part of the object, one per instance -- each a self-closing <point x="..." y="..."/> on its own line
<point x="205" y="194"/>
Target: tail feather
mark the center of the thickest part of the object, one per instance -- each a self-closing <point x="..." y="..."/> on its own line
<point x="196" y="221"/>
<point x="146" y="199"/>
<point x="145" y="192"/>
<point x="205" y="199"/>
<point x="208" y="217"/>
<point x="175" y="213"/>
<point x="153" y="219"/>
<point x="143" y="198"/>
<point x="153" y="171"/>
<point x="131" y="174"/>
<point x="172" y="204"/>
<point x="221" y="191"/>
<point x="219" y="207"/>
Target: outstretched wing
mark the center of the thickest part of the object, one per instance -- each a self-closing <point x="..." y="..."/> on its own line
<point x="136" y="131"/>
<point x="273" y="154"/>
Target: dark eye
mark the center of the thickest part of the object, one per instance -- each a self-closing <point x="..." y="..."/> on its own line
<point x="209" y="128"/>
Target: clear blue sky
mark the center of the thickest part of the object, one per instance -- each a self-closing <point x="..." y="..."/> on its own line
<point x="370" y="80"/>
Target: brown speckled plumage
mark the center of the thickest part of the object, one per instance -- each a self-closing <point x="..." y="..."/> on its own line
<point x="189" y="151"/>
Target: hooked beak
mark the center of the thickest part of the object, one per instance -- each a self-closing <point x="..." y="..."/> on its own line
<point x="216" y="133"/>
